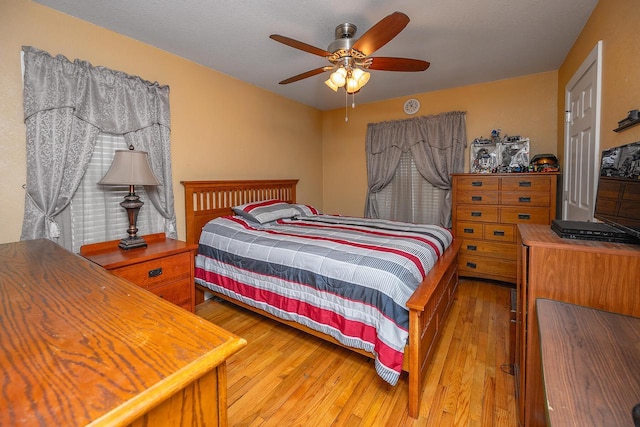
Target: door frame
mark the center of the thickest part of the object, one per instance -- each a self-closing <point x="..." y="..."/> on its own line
<point x="594" y="57"/>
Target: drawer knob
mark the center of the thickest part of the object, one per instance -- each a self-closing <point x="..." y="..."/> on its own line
<point x="524" y="199"/>
<point x="476" y="198"/>
<point x="524" y="216"/>
<point x="155" y="272"/>
<point x="476" y="184"/>
<point x="498" y="233"/>
<point x="476" y="213"/>
<point x="468" y="230"/>
<point x="471" y="264"/>
<point x="524" y="183"/>
<point x="472" y="248"/>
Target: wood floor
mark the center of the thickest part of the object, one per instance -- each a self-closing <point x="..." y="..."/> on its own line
<point x="286" y="378"/>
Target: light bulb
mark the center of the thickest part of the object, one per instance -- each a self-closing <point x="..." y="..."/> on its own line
<point x="338" y="77"/>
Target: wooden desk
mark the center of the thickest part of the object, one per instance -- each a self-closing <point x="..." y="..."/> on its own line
<point x="590" y="364"/>
<point x="81" y="346"/>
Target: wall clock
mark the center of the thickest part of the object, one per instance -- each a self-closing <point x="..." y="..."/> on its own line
<point x="411" y="106"/>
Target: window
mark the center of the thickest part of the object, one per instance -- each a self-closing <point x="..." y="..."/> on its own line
<point x="96" y="214"/>
<point x="409" y="197"/>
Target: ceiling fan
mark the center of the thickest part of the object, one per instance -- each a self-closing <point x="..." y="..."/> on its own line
<point x="350" y="57"/>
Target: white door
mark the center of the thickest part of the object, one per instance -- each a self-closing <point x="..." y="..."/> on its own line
<point x="582" y="139"/>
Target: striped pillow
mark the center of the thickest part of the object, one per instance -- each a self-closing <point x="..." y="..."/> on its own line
<point x="266" y="210"/>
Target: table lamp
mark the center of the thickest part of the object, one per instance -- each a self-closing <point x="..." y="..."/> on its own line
<point x="130" y="167"/>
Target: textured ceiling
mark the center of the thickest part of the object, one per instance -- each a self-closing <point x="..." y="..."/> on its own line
<point x="466" y="41"/>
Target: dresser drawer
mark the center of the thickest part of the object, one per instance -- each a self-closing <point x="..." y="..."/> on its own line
<point x="474" y="248"/>
<point x="162" y="270"/>
<point x="521" y="198"/>
<point x="524" y="215"/>
<point x="477" y="197"/>
<point x="477" y="213"/>
<point x="527" y="182"/>
<point x="469" y="230"/>
<point x="484" y="183"/>
<point x="178" y="292"/>
<point x="500" y="232"/>
<point x="473" y="265"/>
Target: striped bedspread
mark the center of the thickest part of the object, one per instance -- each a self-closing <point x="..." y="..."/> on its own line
<point x="347" y="277"/>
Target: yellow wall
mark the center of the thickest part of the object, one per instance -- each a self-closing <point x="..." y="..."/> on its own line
<point x="616" y="23"/>
<point x="524" y="106"/>
<point x="222" y="128"/>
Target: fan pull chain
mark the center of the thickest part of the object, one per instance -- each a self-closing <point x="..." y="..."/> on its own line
<point x="346" y="106"/>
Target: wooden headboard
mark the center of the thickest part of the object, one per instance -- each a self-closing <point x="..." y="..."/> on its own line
<point x="205" y="200"/>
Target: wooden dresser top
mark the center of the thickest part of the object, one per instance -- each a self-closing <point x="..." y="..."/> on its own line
<point x="80" y="345"/>
<point x="538" y="235"/>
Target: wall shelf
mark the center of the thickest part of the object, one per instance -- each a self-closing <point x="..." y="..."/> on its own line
<point x="627" y="125"/>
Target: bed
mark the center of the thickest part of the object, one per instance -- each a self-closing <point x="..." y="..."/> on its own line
<point x="208" y="206"/>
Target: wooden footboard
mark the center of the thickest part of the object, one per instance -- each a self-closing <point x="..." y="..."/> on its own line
<point x="428" y="306"/>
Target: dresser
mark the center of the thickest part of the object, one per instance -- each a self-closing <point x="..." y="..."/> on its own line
<point x="82" y="346"/>
<point x="165" y="267"/>
<point x="485" y="211"/>
<point x="600" y="275"/>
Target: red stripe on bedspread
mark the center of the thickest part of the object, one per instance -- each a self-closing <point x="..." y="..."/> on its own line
<point x="414" y="259"/>
<point x="389" y="357"/>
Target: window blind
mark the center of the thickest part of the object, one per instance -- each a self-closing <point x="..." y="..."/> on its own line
<point x="409" y="197"/>
<point x="96" y="214"/>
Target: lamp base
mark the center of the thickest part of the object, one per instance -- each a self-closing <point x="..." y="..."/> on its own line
<point x="132" y="242"/>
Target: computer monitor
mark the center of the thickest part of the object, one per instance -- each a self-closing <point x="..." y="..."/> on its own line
<point x="618" y="194"/>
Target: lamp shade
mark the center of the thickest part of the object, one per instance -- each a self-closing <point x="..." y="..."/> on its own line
<point x="130" y="167"/>
<point x="329" y="83"/>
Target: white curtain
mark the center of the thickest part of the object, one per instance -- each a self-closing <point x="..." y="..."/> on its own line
<point x="66" y="105"/>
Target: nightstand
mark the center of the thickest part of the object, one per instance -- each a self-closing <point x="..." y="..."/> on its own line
<point x="165" y="267"/>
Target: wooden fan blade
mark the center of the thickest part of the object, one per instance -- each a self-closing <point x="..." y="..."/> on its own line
<point x="300" y="45"/>
<point x="309" y="73"/>
<point x="397" y="64"/>
<point x="381" y="33"/>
